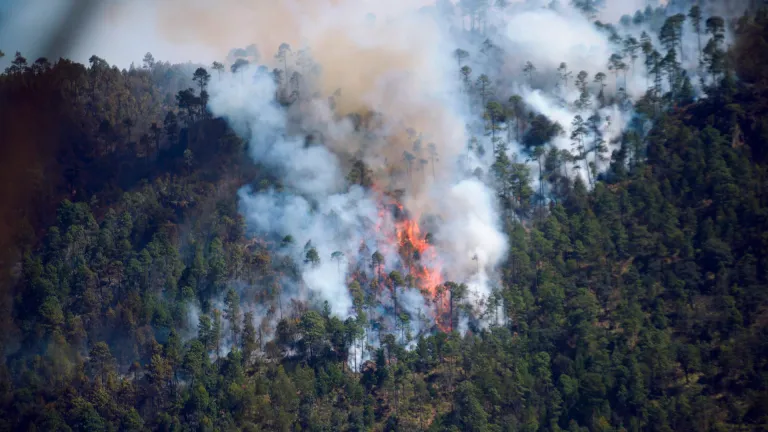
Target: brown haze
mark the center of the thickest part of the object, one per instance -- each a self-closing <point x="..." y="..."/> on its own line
<point x="386" y="64"/>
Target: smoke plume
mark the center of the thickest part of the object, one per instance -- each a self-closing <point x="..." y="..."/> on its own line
<point x="393" y="66"/>
<point x="360" y="112"/>
<point x="377" y="82"/>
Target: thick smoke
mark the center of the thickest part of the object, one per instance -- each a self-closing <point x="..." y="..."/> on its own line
<point x="376" y="81"/>
<point x="396" y="64"/>
<point x="390" y="64"/>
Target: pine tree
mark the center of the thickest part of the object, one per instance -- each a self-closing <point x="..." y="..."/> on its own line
<point x="232" y="314"/>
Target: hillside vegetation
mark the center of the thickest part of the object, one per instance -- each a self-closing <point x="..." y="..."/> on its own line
<point x="636" y="303"/>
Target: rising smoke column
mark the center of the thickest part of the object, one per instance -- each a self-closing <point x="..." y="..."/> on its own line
<point x="396" y="62"/>
<point x="398" y="66"/>
<point x="390" y="64"/>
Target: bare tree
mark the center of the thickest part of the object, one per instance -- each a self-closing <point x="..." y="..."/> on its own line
<point x="564" y="74"/>
<point x="218" y="67"/>
<point x="528" y="70"/>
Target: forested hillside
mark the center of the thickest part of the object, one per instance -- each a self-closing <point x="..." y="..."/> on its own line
<point x="633" y="296"/>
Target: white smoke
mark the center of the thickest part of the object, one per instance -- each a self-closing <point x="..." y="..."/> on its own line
<point x="291" y="214"/>
<point x="396" y="60"/>
<point x="471" y="239"/>
<point x="393" y="58"/>
<point x="416" y="88"/>
<point x="547" y="37"/>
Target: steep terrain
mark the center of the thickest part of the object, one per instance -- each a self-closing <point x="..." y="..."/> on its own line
<point x="150" y="281"/>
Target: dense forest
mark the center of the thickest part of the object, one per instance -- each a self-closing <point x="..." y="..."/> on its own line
<point x="634" y="295"/>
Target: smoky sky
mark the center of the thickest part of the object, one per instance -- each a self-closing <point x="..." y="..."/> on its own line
<point x="49" y="28"/>
<point x="122" y="31"/>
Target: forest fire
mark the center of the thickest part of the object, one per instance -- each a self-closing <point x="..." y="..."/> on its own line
<point x="421" y="266"/>
<point x="420" y="256"/>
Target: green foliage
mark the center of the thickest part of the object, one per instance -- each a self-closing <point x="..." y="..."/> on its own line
<point x="638" y="304"/>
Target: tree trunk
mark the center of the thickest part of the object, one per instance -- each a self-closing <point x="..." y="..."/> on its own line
<point x="433" y="168"/>
<point x="450" y="304"/>
<point x="394" y="302"/>
<point x="698" y="37"/>
<point x="541" y="189"/>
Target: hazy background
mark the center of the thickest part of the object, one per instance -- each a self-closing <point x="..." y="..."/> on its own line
<point x="122" y="31"/>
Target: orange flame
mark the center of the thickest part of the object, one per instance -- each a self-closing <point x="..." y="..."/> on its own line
<point x="419" y="257"/>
